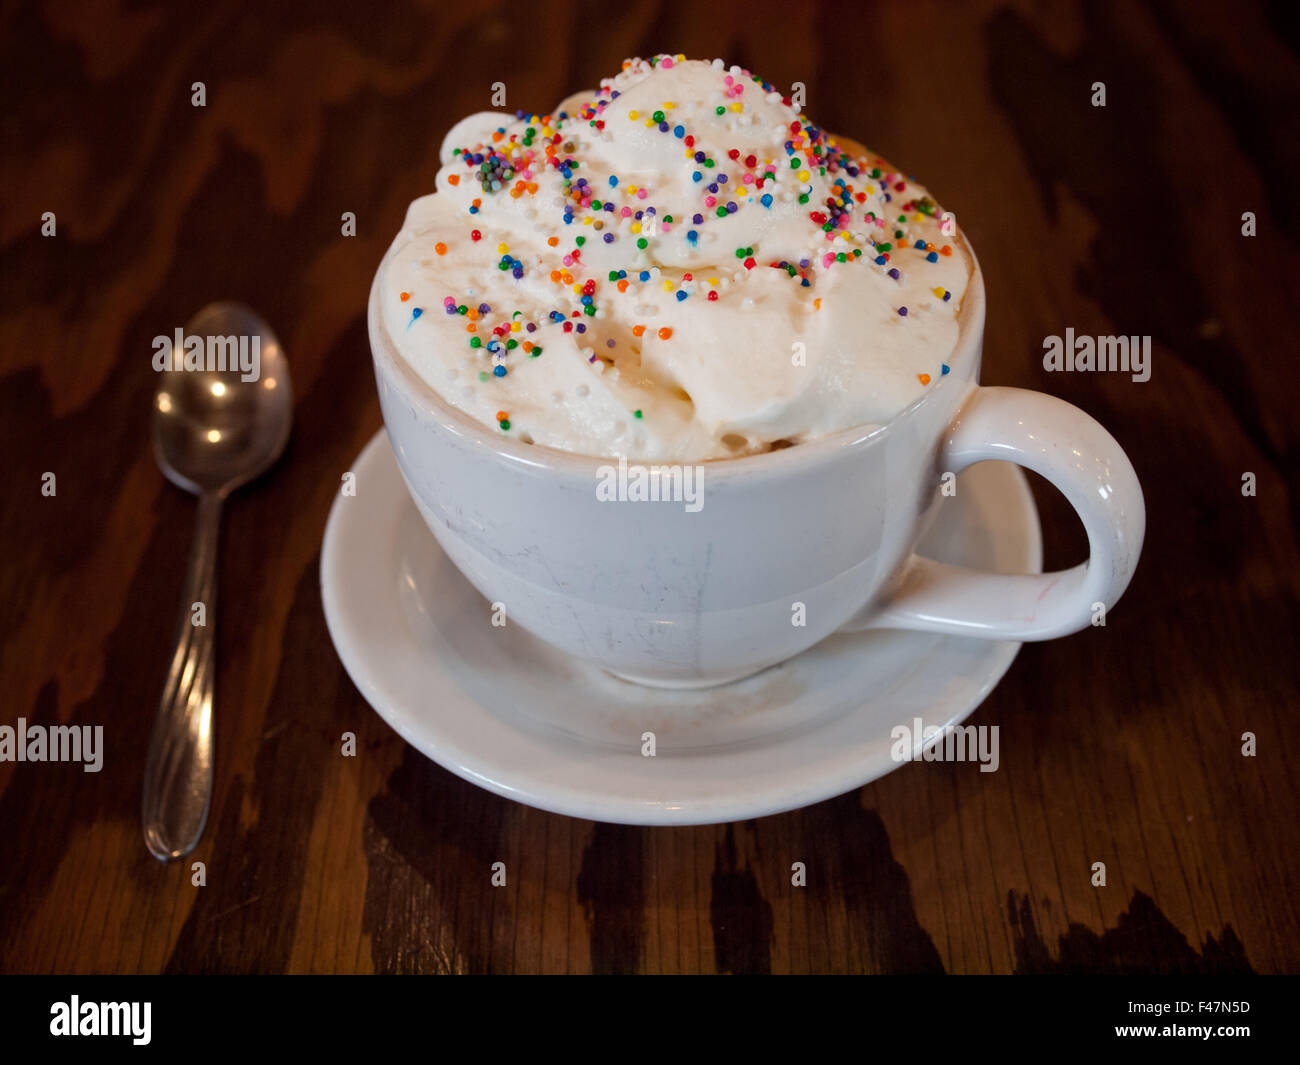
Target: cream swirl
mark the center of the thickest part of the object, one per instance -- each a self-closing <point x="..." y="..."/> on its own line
<point x="678" y="267"/>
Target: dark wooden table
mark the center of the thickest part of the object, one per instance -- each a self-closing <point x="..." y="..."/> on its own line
<point x="1121" y="745"/>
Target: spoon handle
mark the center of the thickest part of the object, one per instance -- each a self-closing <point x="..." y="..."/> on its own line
<point x="178" y="774"/>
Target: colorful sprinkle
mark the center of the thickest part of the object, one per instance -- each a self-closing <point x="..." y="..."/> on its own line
<point x="854" y="211"/>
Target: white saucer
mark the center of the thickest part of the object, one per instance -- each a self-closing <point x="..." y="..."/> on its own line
<point x="504" y="710"/>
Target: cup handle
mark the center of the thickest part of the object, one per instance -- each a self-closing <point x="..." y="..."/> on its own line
<point x="1080" y="458"/>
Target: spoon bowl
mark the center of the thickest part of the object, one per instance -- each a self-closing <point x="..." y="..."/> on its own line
<point x="214" y="430"/>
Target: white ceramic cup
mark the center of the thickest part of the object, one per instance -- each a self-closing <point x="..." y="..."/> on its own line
<point x="670" y="597"/>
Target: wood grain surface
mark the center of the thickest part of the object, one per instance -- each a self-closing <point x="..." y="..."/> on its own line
<point x="1121" y="745"/>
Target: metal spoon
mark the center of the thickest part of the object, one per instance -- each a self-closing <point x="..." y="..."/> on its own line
<point x="212" y="432"/>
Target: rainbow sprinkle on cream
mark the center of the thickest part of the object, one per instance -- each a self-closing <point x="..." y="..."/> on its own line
<point x="683" y="266"/>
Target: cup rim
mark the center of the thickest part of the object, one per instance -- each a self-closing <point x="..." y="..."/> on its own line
<point x="544" y="458"/>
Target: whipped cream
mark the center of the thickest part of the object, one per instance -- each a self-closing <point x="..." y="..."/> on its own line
<point x="676" y="267"/>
